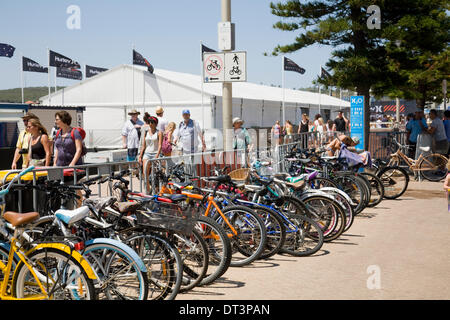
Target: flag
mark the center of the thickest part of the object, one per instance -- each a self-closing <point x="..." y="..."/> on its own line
<point x="206" y="49"/>
<point x="6" y="50"/>
<point x="58" y="60"/>
<point x="32" y="66"/>
<point x="93" y="71"/>
<point x="290" y="65"/>
<point x="324" y="74"/>
<point x="141" y="61"/>
<point x="69" y="73"/>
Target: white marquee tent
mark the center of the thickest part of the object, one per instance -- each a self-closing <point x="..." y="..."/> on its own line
<point x="108" y="97"/>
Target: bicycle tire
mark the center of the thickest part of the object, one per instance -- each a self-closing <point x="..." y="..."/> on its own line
<point x="437" y="160"/>
<point x="275" y="228"/>
<point x="163" y="262"/>
<point x="345" y="201"/>
<point x="219" y="248"/>
<point x="377" y="189"/>
<point x="391" y="177"/>
<point x="251" y="238"/>
<point x="307" y="240"/>
<point x="194" y="253"/>
<point x="68" y="287"/>
<point x="354" y="189"/>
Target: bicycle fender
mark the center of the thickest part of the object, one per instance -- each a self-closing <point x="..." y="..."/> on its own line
<point x="122" y="246"/>
<point x="63" y="247"/>
<point x="342" y="193"/>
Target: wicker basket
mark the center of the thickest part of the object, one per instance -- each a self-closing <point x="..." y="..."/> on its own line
<point x="241" y="174"/>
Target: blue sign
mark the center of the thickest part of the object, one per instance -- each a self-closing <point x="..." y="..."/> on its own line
<point x="357" y="120"/>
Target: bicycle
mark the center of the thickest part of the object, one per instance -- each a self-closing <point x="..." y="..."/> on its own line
<point x="42" y="270"/>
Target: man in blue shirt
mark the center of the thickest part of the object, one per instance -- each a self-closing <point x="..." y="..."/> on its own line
<point x="447" y="127"/>
<point x="414" y="128"/>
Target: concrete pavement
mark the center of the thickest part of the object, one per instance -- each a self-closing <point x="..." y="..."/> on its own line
<point x="397" y="250"/>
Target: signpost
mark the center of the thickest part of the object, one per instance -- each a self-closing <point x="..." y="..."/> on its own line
<point x="357" y="120"/>
<point x="225" y="67"/>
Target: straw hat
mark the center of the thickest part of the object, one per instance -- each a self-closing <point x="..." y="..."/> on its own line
<point x="134" y="111"/>
<point x="237" y="119"/>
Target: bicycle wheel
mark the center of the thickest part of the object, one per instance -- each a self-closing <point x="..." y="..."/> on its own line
<point x="328" y="213"/>
<point x="319" y="182"/>
<point x="345" y="202"/>
<point x="275" y="228"/>
<point x="163" y="262"/>
<point x="354" y="189"/>
<point x="219" y="248"/>
<point x="62" y="276"/>
<point x="120" y="275"/>
<point x="376" y="188"/>
<point x="249" y="241"/>
<point x="395" y="181"/>
<point x="194" y="253"/>
<point x="306" y="239"/>
<point x="433" y="167"/>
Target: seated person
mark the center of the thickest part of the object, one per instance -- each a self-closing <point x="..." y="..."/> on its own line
<point x="349" y="143"/>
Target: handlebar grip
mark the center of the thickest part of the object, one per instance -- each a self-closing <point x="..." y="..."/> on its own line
<point x="26" y="171"/>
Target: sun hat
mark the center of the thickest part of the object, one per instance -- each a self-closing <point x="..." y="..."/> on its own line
<point x="237" y="119"/>
<point x="134" y="111"/>
<point x="159" y="109"/>
<point x="355" y="140"/>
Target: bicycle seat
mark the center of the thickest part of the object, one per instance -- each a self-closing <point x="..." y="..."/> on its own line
<point x="19" y="219"/>
<point x="220" y="179"/>
<point x="296" y="185"/>
<point x="125" y="207"/>
<point x="425" y="149"/>
<point x="69" y="217"/>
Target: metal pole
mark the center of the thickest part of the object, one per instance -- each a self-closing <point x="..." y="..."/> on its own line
<point x="227" y="89"/>
<point x="282" y="80"/>
<point x="49" y="92"/>
<point x="397" y="110"/>
<point x="21" y="79"/>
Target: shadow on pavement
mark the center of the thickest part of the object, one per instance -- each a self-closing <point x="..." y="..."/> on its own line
<point x="261" y="264"/>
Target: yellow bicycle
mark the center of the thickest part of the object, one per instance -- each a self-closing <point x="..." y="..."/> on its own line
<point x="38" y="271"/>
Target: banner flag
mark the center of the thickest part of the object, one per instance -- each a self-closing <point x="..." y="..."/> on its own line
<point x="93" y="71"/>
<point x="58" y="60"/>
<point x="290" y="65"/>
<point x="32" y="66"/>
<point x="138" y="59"/>
<point x="67" y="73"/>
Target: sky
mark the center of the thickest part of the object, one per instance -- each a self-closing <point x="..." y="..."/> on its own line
<point x="168" y="33"/>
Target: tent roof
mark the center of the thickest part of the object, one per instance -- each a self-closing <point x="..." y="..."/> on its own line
<point x="244" y="90"/>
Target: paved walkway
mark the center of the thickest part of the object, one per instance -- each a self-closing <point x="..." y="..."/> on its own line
<point x="398" y="250"/>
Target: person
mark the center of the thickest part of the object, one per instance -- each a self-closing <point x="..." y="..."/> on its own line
<point x="167" y="143"/>
<point x="151" y="145"/>
<point x="341" y="123"/>
<point x="288" y="130"/>
<point x="350" y="143"/>
<point x="304" y="124"/>
<point x="330" y="129"/>
<point x="39" y="149"/>
<point x="131" y="134"/>
<point x="188" y="134"/>
<point x="437" y="129"/>
<point x="447" y="185"/>
<point x="319" y="127"/>
<point x="68" y="150"/>
<point x="22" y="143"/>
<point x="276" y="132"/>
<point x="162" y="122"/>
<point x="447" y="128"/>
<point x="241" y="140"/>
<point x="414" y="128"/>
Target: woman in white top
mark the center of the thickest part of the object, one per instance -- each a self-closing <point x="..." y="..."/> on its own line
<point x="151" y="145"/>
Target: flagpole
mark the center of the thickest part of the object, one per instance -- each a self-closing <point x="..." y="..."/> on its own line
<point x="21" y="78"/>
<point x="48" y="73"/>
<point x="201" y="80"/>
<point x="319" y="86"/>
<point x="282" y="85"/>
<point x="132" y="65"/>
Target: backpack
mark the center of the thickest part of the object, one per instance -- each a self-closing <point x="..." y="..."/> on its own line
<point x="166" y="147"/>
<point x="82" y="134"/>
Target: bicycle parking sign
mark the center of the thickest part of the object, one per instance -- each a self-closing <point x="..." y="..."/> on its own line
<point x="225" y="67"/>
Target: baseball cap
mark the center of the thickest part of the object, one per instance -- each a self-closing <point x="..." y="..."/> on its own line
<point x="186" y="111"/>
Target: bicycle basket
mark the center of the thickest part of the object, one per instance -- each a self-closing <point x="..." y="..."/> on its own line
<point x="241" y="174"/>
<point x="172" y="217"/>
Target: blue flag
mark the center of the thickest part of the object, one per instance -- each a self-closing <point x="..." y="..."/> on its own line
<point x="6" y="50"/>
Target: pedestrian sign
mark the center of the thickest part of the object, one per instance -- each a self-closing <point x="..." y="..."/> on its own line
<point x="224" y="66"/>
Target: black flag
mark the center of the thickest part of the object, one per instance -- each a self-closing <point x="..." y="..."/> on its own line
<point x="290" y="65"/>
<point x="32" y="66"/>
<point x="324" y="74"/>
<point x="141" y="61"/>
<point x="93" y="71"/>
<point x="206" y="49"/>
<point x="69" y="73"/>
<point x="58" y="60"/>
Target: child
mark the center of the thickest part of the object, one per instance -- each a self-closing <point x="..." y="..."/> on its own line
<point x="447" y="184"/>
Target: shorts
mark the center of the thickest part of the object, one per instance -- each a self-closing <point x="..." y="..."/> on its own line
<point x="132" y="154"/>
<point x="148" y="155"/>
